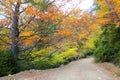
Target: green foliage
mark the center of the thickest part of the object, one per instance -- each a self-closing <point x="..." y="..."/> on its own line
<point x="68" y="54"/>
<point x="42" y="59"/>
<point x="42" y="63"/>
<point x="88" y="52"/>
<point x="65" y="57"/>
<point x="108" y="45"/>
<point x="7" y="63"/>
<point x="86" y="49"/>
<point x="43" y="4"/>
<point x="117" y="58"/>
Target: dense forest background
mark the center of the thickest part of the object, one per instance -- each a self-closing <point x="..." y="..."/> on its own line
<point x="38" y="34"/>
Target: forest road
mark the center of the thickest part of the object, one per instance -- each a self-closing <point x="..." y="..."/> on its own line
<point x="84" y="69"/>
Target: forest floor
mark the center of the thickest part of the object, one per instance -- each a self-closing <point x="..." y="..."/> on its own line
<point x="84" y="69"/>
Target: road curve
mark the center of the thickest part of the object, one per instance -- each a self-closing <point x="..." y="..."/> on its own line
<point x="84" y="69"/>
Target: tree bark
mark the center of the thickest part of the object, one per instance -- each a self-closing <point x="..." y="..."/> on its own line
<point x="15" y="31"/>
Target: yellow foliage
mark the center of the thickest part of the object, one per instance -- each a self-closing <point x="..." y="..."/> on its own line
<point x="90" y="42"/>
<point x="103" y="21"/>
<point x="82" y="35"/>
<point x="109" y="11"/>
<point x="25" y="34"/>
<point x="93" y="27"/>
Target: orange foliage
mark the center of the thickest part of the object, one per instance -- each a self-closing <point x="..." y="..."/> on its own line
<point x="93" y="27"/>
<point x="108" y="12"/>
<point x="63" y="33"/>
<point x="25" y="34"/>
<point x="30" y="40"/>
<point x="11" y="1"/>
<point x="30" y="10"/>
<point x="103" y="21"/>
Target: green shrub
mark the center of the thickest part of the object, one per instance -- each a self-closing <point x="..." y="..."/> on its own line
<point x="57" y="60"/>
<point x="69" y="54"/>
<point x="104" y="54"/>
<point x="117" y="58"/>
<point x="65" y="57"/>
<point x="7" y="63"/>
<point x="42" y="60"/>
<point x="41" y="63"/>
<point x="88" y="52"/>
<point x="108" y="45"/>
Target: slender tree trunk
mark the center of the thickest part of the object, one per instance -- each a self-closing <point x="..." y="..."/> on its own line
<point x="15" y="32"/>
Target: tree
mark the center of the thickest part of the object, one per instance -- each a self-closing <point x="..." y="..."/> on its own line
<point x="11" y="11"/>
<point x="108" y="43"/>
<point x="14" y="12"/>
<point x="15" y="29"/>
<point x="108" y="11"/>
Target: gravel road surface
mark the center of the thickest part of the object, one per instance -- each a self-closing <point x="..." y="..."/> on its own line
<point x="84" y="69"/>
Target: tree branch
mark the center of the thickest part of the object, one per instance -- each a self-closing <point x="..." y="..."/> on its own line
<point x="111" y="8"/>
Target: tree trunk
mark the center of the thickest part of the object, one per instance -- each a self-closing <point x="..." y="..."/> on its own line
<point x="15" y="32"/>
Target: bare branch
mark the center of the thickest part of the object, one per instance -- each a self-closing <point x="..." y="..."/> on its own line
<point x="25" y="24"/>
<point x="51" y="2"/>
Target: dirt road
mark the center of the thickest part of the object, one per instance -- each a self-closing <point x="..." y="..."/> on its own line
<point x="83" y="69"/>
